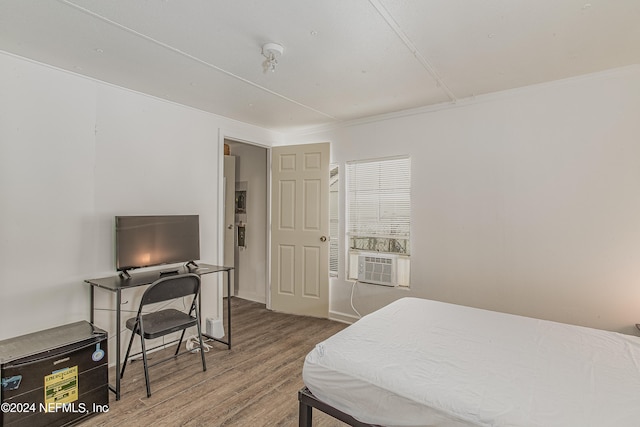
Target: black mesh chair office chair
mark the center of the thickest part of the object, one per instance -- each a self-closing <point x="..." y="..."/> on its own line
<point x="163" y="322"/>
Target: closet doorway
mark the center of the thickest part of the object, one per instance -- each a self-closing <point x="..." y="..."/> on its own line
<point x="246" y="174"/>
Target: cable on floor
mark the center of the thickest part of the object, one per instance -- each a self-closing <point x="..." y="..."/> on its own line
<point x="193" y="345"/>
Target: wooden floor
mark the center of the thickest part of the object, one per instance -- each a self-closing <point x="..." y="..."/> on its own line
<point x="253" y="384"/>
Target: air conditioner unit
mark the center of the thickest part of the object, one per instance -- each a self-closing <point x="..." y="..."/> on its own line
<point x="378" y="269"/>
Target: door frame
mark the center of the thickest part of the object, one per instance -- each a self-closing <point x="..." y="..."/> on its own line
<point x="222" y="135"/>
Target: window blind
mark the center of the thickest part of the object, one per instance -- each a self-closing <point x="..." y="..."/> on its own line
<point x="334" y="203"/>
<point x="379" y="204"/>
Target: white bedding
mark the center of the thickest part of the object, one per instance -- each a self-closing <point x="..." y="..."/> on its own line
<point x="418" y="362"/>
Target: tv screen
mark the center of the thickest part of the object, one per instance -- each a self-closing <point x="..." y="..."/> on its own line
<point x="144" y="241"/>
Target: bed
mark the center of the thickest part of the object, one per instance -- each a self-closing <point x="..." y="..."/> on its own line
<point x="419" y="362"/>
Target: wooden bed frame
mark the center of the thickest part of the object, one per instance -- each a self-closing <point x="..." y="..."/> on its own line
<point x="308" y="401"/>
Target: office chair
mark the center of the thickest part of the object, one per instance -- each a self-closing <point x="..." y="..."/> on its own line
<point x="166" y="321"/>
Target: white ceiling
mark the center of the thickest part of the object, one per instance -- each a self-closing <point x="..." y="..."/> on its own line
<point x="343" y="59"/>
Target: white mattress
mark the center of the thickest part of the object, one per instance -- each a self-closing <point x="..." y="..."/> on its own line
<point x="417" y="362"/>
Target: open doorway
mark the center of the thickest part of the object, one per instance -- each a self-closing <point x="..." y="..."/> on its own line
<point x="246" y="220"/>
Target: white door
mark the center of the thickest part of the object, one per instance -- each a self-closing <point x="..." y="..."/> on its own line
<point x="300" y="229"/>
<point x="229" y="213"/>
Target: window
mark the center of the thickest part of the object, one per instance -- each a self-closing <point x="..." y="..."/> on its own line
<point x="379" y="211"/>
<point x="334" y="204"/>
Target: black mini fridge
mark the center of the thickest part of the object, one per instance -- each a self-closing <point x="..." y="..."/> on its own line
<point x="54" y="377"/>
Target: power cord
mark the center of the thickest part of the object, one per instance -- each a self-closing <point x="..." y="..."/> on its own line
<point x="193" y="345"/>
<point x="353" y="287"/>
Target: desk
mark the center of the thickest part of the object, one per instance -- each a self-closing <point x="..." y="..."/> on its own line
<point x="118" y="283"/>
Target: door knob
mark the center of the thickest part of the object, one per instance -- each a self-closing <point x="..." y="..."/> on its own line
<point x="323" y="238"/>
<point x="230" y="226"/>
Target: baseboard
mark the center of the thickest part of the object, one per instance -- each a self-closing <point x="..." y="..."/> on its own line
<point x="342" y="317"/>
<point x="138" y="356"/>
<point x="251" y="297"/>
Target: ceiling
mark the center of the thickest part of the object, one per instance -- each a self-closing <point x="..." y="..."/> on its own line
<point x="343" y="59"/>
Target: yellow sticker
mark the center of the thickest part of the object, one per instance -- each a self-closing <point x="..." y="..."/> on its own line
<point x="61" y="387"/>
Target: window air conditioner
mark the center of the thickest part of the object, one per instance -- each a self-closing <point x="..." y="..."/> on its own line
<point x="378" y="269"/>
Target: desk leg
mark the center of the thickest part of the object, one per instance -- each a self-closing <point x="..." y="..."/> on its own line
<point x="229" y="308"/>
<point x="92" y="307"/>
<point x="228" y="341"/>
<point x="118" y="305"/>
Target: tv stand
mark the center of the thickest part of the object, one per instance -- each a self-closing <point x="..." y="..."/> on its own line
<point x="193" y="263"/>
<point x="124" y="274"/>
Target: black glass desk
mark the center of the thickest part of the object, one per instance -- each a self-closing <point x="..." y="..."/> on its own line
<point x="119" y="283"/>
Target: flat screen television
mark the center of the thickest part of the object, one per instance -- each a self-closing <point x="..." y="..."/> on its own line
<point x="145" y="241"/>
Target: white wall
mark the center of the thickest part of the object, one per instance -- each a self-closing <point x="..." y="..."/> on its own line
<point x="525" y="202"/>
<point x="75" y="152"/>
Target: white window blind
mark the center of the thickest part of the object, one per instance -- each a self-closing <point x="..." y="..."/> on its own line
<point x="379" y="204"/>
<point x="334" y="187"/>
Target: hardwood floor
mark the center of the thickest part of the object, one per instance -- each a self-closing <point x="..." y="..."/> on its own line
<point x="253" y="384"/>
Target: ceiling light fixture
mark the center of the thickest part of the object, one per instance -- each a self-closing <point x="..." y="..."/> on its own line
<point x="271" y="51"/>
